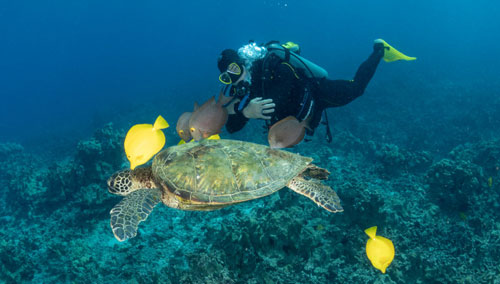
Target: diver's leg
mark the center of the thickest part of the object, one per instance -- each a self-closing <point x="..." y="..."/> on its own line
<point x="334" y="93"/>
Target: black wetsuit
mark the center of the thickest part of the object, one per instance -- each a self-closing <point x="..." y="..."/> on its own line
<point x="297" y="95"/>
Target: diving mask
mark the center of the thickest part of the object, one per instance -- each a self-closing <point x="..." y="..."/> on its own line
<point x="233" y="72"/>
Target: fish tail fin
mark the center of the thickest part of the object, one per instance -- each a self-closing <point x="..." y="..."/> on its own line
<point x="214" y="137"/>
<point x="160" y="123"/>
<point x="371" y="232"/>
<point x="305" y="124"/>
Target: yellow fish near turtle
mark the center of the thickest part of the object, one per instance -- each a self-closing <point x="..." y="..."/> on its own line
<point x="380" y="250"/>
<point x="143" y="141"/>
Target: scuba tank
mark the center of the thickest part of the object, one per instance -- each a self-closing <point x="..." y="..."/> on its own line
<point x="288" y="53"/>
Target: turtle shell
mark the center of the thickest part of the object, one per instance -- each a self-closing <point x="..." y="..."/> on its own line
<point x="225" y="171"/>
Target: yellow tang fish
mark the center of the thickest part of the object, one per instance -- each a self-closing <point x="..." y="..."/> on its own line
<point x="213" y="137"/>
<point x="380" y="251"/>
<point x="143" y="141"/>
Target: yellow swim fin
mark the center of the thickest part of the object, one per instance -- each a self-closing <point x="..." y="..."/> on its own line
<point x="391" y="54"/>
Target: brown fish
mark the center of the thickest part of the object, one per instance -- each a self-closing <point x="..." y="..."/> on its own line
<point x="208" y="119"/>
<point x="223" y="99"/>
<point x="182" y="127"/>
<point x="286" y="133"/>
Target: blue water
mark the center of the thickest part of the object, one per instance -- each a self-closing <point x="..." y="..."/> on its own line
<point x="64" y="62"/>
<point x="68" y="68"/>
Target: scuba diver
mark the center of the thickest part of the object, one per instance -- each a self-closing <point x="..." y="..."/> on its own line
<point x="272" y="81"/>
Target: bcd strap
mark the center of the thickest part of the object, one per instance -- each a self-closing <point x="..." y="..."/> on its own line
<point x="291" y="68"/>
<point x="327" y="124"/>
<point x="243" y="102"/>
<point x="287" y="54"/>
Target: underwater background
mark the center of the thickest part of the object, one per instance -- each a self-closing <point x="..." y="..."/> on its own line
<point x="418" y="155"/>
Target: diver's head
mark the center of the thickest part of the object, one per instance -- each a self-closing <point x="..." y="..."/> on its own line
<point x="231" y="67"/>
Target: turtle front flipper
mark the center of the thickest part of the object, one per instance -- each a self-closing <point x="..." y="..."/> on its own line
<point x="133" y="209"/>
<point x="321" y="194"/>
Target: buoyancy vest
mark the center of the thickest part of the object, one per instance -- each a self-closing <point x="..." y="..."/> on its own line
<point x="300" y="66"/>
<point x="289" y="53"/>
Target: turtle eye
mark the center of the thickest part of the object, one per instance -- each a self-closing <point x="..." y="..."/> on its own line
<point x="192" y="129"/>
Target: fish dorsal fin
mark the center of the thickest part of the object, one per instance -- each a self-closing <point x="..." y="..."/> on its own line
<point x="220" y="99"/>
<point x="160" y="123"/>
<point x="223" y="100"/>
<point x="288" y="118"/>
<point x="386" y="241"/>
<point x="371" y="232"/>
<point x="212" y="100"/>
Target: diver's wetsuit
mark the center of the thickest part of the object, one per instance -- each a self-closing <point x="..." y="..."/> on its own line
<point x="297" y="95"/>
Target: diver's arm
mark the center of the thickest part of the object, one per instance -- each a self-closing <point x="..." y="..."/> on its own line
<point x="257" y="108"/>
<point x="235" y="121"/>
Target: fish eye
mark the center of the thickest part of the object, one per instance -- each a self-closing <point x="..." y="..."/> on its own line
<point x="181" y="132"/>
<point x="192" y="129"/>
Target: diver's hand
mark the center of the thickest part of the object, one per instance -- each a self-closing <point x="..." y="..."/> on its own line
<point x="258" y="108"/>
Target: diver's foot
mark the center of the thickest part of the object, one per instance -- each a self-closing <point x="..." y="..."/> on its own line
<point x="389" y="53"/>
<point x="378" y="45"/>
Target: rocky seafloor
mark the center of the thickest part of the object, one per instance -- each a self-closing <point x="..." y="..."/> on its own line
<point x="442" y="215"/>
<point x="426" y="171"/>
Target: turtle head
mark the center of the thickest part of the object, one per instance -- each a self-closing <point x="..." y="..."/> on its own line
<point x="127" y="181"/>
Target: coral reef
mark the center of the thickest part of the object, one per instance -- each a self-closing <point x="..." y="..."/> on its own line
<point x="442" y="217"/>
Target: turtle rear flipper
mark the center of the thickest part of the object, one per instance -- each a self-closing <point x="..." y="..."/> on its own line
<point x="133" y="209"/>
<point x="321" y="194"/>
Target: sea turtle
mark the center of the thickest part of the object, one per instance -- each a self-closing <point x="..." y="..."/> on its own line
<point x="210" y="175"/>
